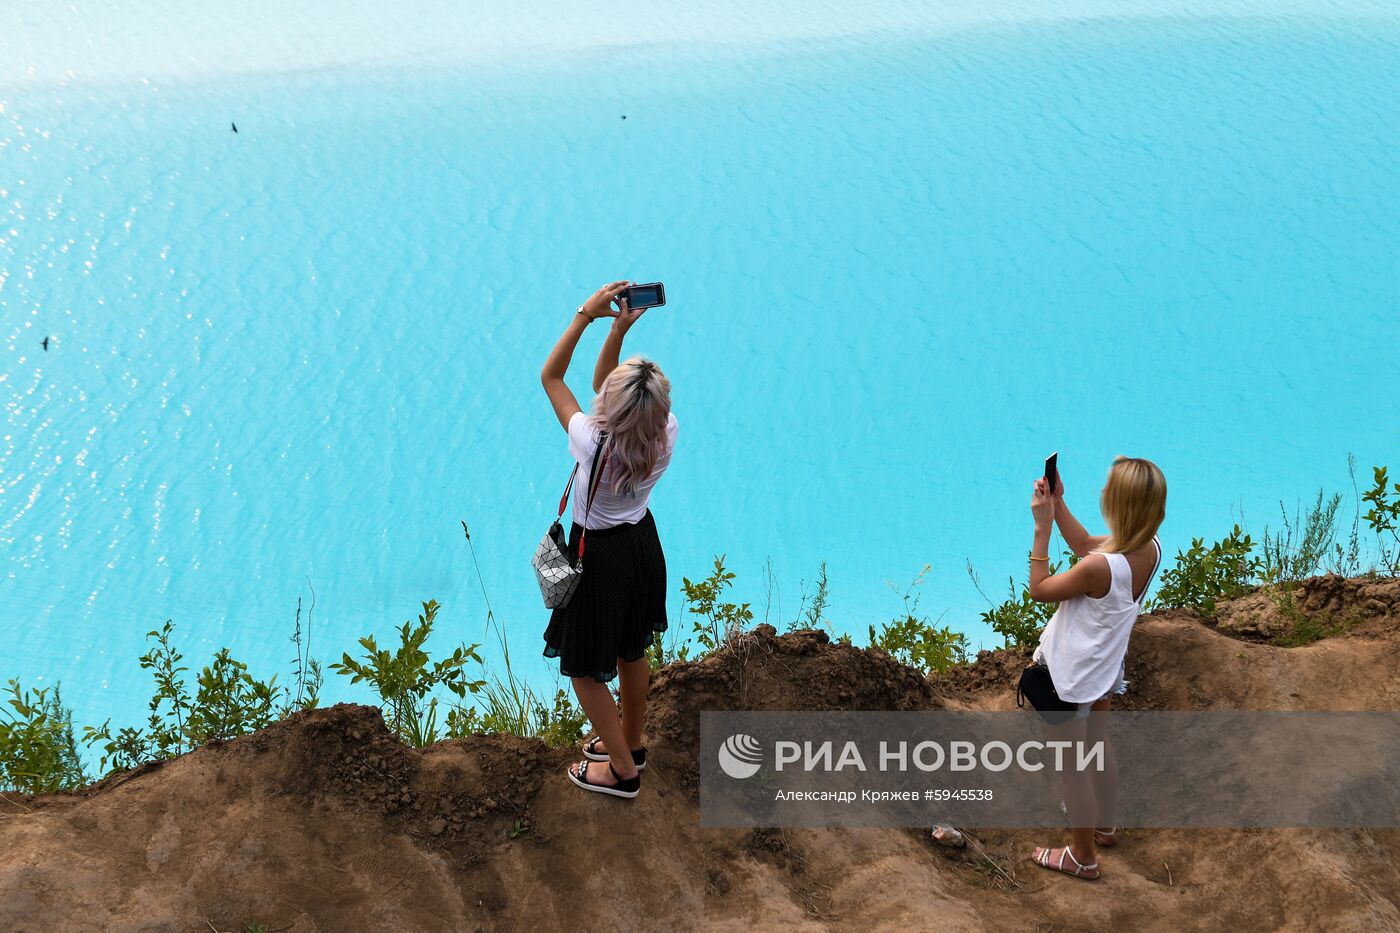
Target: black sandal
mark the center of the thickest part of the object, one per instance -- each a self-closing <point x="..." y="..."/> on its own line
<point x="590" y="751"/>
<point x="625" y="787"/>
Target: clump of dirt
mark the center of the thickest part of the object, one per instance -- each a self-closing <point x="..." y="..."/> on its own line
<point x="988" y="676"/>
<point x="1313" y="607"/>
<point x="760" y="670"/>
<point x="325" y="821"/>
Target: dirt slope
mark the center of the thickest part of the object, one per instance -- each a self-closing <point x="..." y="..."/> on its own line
<point x="324" y="822"/>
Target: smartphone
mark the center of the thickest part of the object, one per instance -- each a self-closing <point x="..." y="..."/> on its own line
<point x="1052" y="471"/>
<point x="644" y="296"/>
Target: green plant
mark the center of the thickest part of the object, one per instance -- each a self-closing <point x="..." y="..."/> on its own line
<point x="1306" y="629"/>
<point x="1383" y="516"/>
<point x="509" y="705"/>
<point x="38" y="753"/>
<point x="558" y="721"/>
<point x="1201" y="576"/>
<point x="164" y="735"/>
<point x="1018" y="619"/>
<point x="717" y="622"/>
<point x="1297" y="551"/>
<point x="404" y="678"/>
<point x="306" y="670"/>
<point x="811" y="614"/>
<point x="228" y="702"/>
<point x="913" y="639"/>
<point x="661" y="653"/>
<point x="1345" y="558"/>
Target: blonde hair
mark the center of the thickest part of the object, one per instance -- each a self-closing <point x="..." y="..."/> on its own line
<point x="1134" y="502"/>
<point x="633" y="407"/>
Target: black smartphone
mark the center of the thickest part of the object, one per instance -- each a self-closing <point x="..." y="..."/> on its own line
<point x="1052" y="471"/>
<point x="644" y="296"/>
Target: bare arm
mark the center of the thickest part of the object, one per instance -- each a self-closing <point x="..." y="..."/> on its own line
<point x="611" y="351"/>
<point x="1078" y="539"/>
<point x="607" y="357"/>
<point x="552" y="375"/>
<point x="1085" y="577"/>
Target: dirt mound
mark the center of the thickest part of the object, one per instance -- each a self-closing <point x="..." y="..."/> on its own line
<point x="1318" y="606"/>
<point x="325" y="822"/>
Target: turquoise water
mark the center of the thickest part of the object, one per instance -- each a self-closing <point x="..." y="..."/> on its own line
<point x="903" y="266"/>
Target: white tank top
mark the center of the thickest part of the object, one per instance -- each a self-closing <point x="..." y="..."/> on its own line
<point x="1086" y="640"/>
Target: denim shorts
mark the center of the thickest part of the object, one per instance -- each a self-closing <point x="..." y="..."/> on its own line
<point x="1082" y="711"/>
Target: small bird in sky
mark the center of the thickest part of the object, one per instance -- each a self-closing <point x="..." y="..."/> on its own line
<point x="624" y="116"/>
<point x="45" y="344"/>
<point x="234" y="125"/>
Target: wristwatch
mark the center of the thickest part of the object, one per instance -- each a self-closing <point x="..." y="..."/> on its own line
<point x="585" y="314"/>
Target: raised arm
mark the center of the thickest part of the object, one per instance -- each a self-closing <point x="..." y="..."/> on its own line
<point x="611" y="351"/>
<point x="608" y="355"/>
<point x="1087" y="576"/>
<point x="1078" y="539"/>
<point x="552" y="375"/>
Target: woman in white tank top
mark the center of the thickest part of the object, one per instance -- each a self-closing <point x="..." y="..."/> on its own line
<point x="1086" y="641"/>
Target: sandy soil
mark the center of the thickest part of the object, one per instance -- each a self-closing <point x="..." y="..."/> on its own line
<point x="325" y="822"/>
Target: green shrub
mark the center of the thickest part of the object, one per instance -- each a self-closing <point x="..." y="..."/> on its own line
<point x="811" y="613"/>
<point x="1201" y="576"/>
<point x="663" y="652"/>
<point x="38" y="753"/>
<point x="228" y="702"/>
<point x="1297" y="552"/>
<point x="404" y="678"/>
<point x="716" y="622"/>
<point x="164" y="735"/>
<point x="1018" y="619"/>
<point x="913" y="639"/>
<point x="1383" y="516"/>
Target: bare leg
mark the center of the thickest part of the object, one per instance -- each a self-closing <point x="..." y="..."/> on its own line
<point x="597" y="702"/>
<point x="1106" y="781"/>
<point x="1078" y="790"/>
<point x="634" y="679"/>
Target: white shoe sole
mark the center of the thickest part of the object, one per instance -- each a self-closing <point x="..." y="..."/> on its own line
<point x="593" y="756"/>
<point x="600" y="789"/>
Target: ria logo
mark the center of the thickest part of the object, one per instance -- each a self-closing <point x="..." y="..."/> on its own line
<point x="740" y="756"/>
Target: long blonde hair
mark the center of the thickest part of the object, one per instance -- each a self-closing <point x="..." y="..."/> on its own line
<point x="1134" y="502"/>
<point x="633" y="407"/>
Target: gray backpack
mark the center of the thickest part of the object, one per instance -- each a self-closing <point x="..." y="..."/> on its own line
<point x="557" y="569"/>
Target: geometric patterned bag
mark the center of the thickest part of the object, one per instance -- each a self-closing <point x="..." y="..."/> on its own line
<point x="556" y="569"/>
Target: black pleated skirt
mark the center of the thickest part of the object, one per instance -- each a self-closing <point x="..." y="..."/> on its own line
<point x="619" y="606"/>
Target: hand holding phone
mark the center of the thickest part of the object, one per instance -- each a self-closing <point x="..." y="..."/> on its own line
<point x="1052" y="473"/>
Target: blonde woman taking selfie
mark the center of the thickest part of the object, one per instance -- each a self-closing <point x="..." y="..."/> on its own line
<point x="1079" y="664"/>
<point x="605" y="628"/>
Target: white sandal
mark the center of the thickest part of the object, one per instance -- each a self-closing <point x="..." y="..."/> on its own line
<point x="1079" y="870"/>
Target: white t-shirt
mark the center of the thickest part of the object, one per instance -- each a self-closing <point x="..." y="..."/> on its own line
<point x="609" y="507"/>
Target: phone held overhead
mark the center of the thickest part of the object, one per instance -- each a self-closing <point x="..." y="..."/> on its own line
<point x="652" y="295"/>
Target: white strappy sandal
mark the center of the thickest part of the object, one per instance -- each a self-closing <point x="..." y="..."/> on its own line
<point x="1080" y="870"/>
